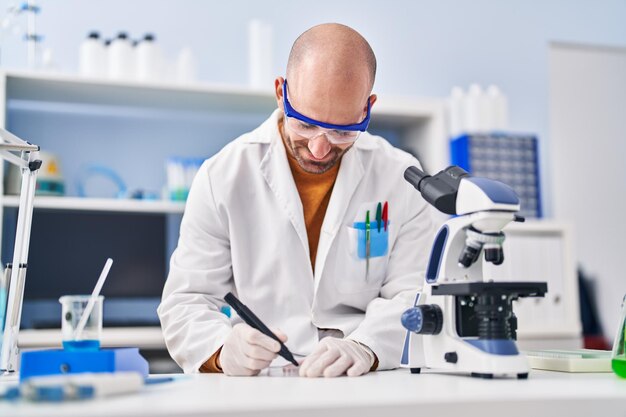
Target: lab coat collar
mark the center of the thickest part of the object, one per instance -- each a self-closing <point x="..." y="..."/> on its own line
<point x="275" y="169"/>
<point x="267" y="132"/>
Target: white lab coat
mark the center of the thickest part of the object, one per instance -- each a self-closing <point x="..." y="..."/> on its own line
<point x="243" y="231"/>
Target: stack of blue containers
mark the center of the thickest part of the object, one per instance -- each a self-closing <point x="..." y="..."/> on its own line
<point x="510" y="158"/>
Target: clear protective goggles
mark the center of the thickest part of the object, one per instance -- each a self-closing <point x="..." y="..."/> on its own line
<point x="310" y="129"/>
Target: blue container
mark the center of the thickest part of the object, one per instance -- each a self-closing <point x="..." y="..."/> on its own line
<point x="56" y="362"/>
<point x="379" y="240"/>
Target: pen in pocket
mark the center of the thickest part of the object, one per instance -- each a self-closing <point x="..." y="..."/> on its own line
<point x="367" y="243"/>
<point x="385" y="215"/>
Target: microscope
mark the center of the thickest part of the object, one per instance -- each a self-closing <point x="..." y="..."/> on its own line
<point x="461" y="322"/>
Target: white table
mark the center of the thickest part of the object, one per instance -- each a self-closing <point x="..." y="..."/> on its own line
<point x="392" y="393"/>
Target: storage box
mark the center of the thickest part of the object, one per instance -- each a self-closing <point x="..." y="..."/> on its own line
<point x="510" y="158"/>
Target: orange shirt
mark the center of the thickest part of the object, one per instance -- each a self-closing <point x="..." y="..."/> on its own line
<point x="315" y="191"/>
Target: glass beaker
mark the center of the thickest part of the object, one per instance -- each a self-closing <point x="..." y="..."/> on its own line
<point x="618" y="357"/>
<point x="73" y="307"/>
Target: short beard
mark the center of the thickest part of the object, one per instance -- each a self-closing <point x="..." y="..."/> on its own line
<point x="312" y="166"/>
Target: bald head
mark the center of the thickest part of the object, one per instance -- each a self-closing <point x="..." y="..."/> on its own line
<point x="330" y="75"/>
<point x="332" y="52"/>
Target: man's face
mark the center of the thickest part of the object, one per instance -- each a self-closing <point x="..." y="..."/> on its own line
<point x="340" y="106"/>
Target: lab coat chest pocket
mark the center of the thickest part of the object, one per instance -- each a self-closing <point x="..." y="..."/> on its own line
<point x="365" y="260"/>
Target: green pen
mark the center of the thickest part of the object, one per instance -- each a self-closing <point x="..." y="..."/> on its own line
<point x="379" y="215"/>
<point x="367" y="244"/>
<point x="367" y="233"/>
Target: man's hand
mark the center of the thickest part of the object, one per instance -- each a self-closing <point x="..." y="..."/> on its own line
<point x="247" y="351"/>
<point x="333" y="357"/>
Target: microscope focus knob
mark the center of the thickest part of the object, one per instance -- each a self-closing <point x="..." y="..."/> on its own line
<point x="423" y="319"/>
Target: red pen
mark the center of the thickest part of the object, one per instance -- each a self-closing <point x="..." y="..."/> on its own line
<point x="385" y="215"/>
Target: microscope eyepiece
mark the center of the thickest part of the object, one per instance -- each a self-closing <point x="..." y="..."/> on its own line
<point x="440" y="189"/>
<point x="414" y="176"/>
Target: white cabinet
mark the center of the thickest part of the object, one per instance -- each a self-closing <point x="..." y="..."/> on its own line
<point x="542" y="251"/>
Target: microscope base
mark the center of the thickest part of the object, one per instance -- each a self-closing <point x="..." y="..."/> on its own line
<point x="430" y="352"/>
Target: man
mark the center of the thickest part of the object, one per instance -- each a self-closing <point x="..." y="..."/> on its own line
<point x="309" y="221"/>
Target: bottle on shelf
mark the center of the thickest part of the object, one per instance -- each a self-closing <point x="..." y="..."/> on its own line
<point x="92" y="56"/>
<point x="149" y="59"/>
<point x="498" y="109"/>
<point x="186" y="66"/>
<point x="474" y="104"/>
<point x="121" y="60"/>
<point x="260" y="54"/>
<point x="477" y="110"/>
<point x="456" y="109"/>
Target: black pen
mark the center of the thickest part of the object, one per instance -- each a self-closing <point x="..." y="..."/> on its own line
<point x="253" y="321"/>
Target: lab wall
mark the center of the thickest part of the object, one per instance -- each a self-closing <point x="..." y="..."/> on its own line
<point x="588" y="131"/>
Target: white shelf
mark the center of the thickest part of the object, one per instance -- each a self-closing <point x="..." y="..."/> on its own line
<point x="100" y="204"/>
<point x="61" y="88"/>
<point x="57" y="88"/>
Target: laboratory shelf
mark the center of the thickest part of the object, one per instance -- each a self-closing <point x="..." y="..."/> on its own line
<point x="100" y="204"/>
<point x="63" y="88"/>
<point x="58" y="88"/>
<point x="419" y="120"/>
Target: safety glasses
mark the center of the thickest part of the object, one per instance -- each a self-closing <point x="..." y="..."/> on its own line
<point x="309" y="128"/>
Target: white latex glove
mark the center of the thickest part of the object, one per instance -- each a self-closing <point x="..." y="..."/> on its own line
<point x="333" y="357"/>
<point x="247" y="351"/>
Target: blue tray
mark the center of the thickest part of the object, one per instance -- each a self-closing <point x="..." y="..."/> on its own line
<point x="56" y="362"/>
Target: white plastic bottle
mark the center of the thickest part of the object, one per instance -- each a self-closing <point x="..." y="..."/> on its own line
<point x="92" y="56"/>
<point x="499" y="108"/>
<point x="47" y="60"/>
<point x="456" y="105"/>
<point x="186" y="66"/>
<point x="149" y="59"/>
<point x="260" y="54"/>
<point x="121" y="58"/>
<point x="473" y="109"/>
